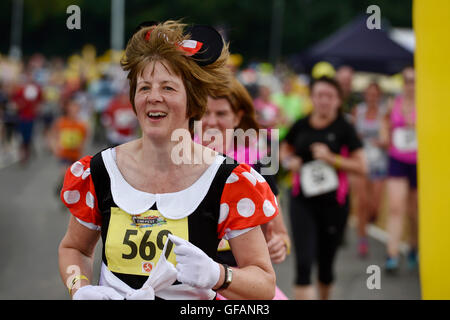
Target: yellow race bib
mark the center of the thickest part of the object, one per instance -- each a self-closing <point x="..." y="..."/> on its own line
<point x="71" y="139"/>
<point x="134" y="242"/>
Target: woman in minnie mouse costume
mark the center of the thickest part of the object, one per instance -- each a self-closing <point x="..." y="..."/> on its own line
<point x="160" y="221"/>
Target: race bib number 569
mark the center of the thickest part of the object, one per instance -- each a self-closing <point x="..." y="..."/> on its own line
<point x="135" y="242"/>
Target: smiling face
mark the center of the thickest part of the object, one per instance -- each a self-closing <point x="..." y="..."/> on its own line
<point x="160" y="101"/>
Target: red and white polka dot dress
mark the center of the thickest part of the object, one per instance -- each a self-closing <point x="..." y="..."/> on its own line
<point x="78" y="194"/>
<point x="247" y="200"/>
<point x="228" y="200"/>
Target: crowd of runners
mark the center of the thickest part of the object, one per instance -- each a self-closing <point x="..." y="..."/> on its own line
<point x="339" y="152"/>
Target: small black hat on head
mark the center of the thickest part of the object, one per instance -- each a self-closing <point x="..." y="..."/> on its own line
<point x="212" y="43"/>
<point x="211" y="40"/>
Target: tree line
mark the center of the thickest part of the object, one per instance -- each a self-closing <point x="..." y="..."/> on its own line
<point x="247" y="23"/>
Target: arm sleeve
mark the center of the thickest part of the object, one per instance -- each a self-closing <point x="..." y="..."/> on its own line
<point x="78" y="194"/>
<point x="247" y="201"/>
<point x="271" y="180"/>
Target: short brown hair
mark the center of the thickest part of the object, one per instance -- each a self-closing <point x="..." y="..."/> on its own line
<point x="198" y="80"/>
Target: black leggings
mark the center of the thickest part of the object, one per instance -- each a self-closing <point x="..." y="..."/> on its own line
<point x="317" y="229"/>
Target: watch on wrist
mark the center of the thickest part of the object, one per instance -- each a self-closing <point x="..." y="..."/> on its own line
<point x="228" y="277"/>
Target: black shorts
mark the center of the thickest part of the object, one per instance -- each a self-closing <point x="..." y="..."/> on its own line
<point x="317" y="229"/>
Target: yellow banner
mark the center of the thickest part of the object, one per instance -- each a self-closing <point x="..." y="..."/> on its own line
<point x="432" y="28"/>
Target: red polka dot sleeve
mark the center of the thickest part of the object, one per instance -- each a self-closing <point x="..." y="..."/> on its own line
<point x="78" y="194"/>
<point x="247" y="201"/>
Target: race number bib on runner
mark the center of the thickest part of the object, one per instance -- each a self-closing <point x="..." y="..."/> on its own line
<point x="404" y="139"/>
<point x="373" y="154"/>
<point x="317" y="177"/>
<point x="71" y="138"/>
<point x="134" y="242"/>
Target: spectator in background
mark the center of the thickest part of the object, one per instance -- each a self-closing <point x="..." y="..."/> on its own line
<point x="38" y="69"/>
<point x="369" y="188"/>
<point x="234" y="62"/>
<point x="344" y="75"/>
<point x="267" y="112"/>
<point x="67" y="137"/>
<point x="249" y="79"/>
<point x="119" y="120"/>
<point x="84" y="99"/>
<point x="50" y="107"/>
<point x="27" y="98"/>
<point x="291" y="106"/>
<point x="8" y="118"/>
<point x="102" y="93"/>
<point x="399" y="132"/>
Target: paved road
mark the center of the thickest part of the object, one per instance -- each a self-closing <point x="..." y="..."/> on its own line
<point x="33" y="223"/>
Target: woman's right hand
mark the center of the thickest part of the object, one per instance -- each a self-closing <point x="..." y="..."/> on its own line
<point x="90" y="292"/>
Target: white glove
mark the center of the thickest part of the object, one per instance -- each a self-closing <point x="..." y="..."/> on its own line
<point x="141" y="294"/>
<point x="96" y="293"/>
<point x="194" y="267"/>
<point x="162" y="276"/>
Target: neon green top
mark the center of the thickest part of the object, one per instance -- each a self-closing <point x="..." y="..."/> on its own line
<point x="293" y="108"/>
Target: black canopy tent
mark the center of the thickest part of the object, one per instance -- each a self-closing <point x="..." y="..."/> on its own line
<point x="359" y="47"/>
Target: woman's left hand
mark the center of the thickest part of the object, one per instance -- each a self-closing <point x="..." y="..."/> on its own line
<point x="194" y="266"/>
<point x="320" y="151"/>
<point x="276" y="245"/>
<point x="277" y="249"/>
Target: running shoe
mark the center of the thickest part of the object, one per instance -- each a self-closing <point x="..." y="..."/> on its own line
<point x="391" y="265"/>
<point x="412" y="259"/>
